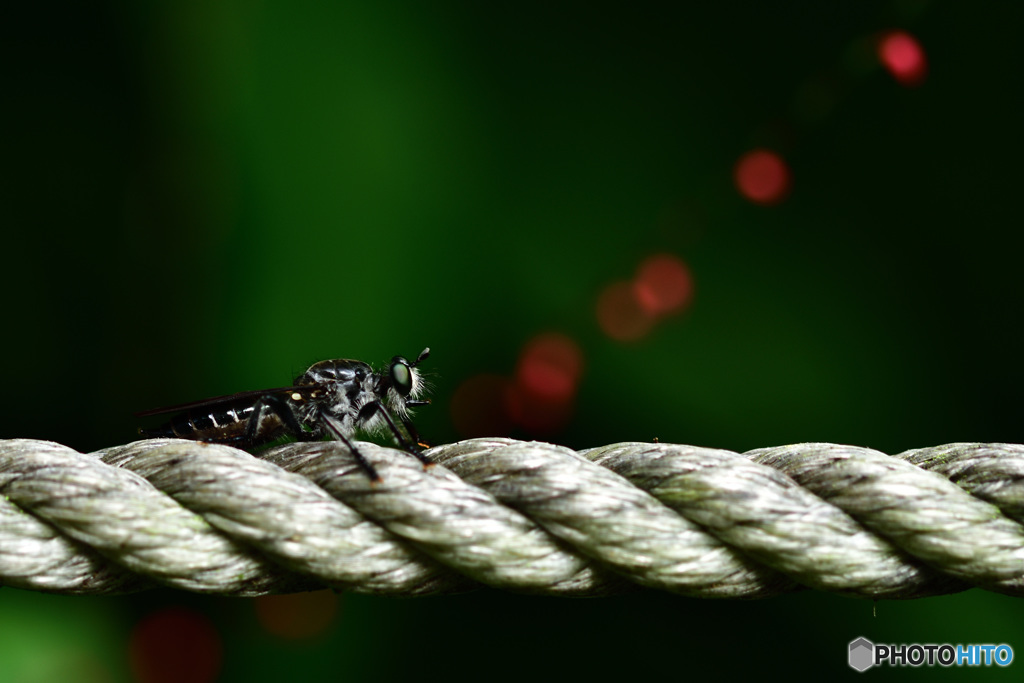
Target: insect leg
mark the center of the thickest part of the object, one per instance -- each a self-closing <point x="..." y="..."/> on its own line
<point x="366" y="414"/>
<point x="280" y="406"/>
<point x="409" y="427"/>
<point x="336" y="431"/>
<point x="415" y="435"/>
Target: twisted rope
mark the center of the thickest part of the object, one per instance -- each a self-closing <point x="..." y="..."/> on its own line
<point x="527" y="517"/>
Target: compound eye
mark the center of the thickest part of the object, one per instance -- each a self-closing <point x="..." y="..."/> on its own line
<point x="401" y="377"/>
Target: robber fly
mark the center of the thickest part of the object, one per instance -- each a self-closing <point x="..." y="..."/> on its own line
<point x="333" y="398"/>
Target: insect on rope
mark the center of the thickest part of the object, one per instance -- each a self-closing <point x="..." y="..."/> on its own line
<point x="529" y="517"/>
<point x="332" y="398"/>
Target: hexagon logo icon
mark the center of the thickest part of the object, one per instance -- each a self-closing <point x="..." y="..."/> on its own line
<point x="862" y="654"/>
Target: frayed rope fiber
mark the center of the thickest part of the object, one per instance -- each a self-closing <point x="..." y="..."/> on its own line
<point x="527" y="517"/>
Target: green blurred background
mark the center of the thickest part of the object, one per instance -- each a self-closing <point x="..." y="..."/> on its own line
<point x="204" y="198"/>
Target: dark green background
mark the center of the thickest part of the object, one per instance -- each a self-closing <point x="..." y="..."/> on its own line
<point x="207" y="197"/>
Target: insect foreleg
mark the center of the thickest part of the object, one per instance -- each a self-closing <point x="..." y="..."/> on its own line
<point x="372" y="408"/>
<point x="413" y="434"/>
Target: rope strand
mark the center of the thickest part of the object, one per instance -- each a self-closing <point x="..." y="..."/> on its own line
<point x="526" y="517"/>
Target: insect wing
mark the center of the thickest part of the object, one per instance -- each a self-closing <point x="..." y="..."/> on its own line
<point x="230" y="398"/>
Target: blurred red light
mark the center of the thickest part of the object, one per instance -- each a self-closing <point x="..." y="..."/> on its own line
<point x="663" y="285"/>
<point x="539" y="415"/>
<point x="549" y="370"/>
<point x="479" y="406"/>
<point x="903" y="56"/>
<point x="550" y="366"/>
<point x="175" y="644"/>
<point x="620" y="315"/>
<point x="762" y="177"/>
<point x="299" y="615"/>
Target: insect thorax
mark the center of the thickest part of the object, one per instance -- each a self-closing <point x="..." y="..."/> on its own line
<point x="344" y="387"/>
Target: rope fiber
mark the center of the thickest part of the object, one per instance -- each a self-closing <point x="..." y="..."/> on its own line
<point x="520" y="516"/>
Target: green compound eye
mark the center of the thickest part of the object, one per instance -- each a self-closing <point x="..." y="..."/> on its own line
<point x="401" y="377"/>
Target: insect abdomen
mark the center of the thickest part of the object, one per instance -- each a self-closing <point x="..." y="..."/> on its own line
<point x="224" y="424"/>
